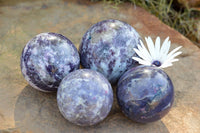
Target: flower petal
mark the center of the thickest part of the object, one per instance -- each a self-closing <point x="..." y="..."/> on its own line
<point x="165" y="46"/>
<point x="144" y="62"/>
<point x="144" y="49"/>
<point x="144" y="56"/>
<point x="164" y="50"/>
<point x="170" y="61"/>
<point x="139" y="53"/>
<point x="150" y="46"/>
<point x="166" y="65"/>
<point x="157" y="52"/>
<point x="174" y="60"/>
<point x="173" y="56"/>
<point x="173" y="51"/>
<point x="157" y="48"/>
<point x="142" y="52"/>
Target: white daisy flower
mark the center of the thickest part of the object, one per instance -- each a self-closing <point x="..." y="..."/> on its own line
<point x="157" y="55"/>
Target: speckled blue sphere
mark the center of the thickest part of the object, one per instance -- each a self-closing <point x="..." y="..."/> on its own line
<point x="85" y="97"/>
<point x="107" y="47"/>
<point x="145" y="94"/>
<point x="47" y="59"/>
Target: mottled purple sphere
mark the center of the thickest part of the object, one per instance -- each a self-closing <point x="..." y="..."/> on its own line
<point x="85" y="97"/>
<point x="47" y="59"/>
<point x="107" y="47"/>
<point x="145" y="94"/>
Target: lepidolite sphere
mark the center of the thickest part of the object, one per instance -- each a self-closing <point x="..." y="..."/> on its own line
<point x="107" y="47"/>
<point x="47" y="59"/>
<point x="145" y="94"/>
<point x="85" y="97"/>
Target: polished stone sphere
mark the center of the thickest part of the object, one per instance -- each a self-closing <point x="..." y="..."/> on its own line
<point x="107" y="47"/>
<point x="47" y="59"/>
<point x="85" y="97"/>
<point x="145" y="94"/>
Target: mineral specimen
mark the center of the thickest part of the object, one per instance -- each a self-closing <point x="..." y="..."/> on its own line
<point x="107" y="47"/>
<point x="145" y="94"/>
<point x="85" y="97"/>
<point x="47" y="59"/>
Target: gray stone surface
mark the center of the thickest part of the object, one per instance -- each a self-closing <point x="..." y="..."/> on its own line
<point x="24" y="109"/>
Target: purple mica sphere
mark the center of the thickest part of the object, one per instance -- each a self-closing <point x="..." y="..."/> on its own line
<point x="145" y="94"/>
<point x="47" y="59"/>
<point x="85" y="97"/>
<point x="107" y="47"/>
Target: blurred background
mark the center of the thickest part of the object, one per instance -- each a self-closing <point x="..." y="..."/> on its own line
<point x="182" y="15"/>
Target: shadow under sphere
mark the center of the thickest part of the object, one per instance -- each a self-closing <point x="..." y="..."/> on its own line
<point x="37" y="111"/>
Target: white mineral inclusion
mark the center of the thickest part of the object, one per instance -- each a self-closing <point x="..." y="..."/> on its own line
<point x="156" y="53"/>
